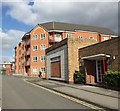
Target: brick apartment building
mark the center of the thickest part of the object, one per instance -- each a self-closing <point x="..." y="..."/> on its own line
<point x="96" y="62"/>
<point x="30" y="52"/>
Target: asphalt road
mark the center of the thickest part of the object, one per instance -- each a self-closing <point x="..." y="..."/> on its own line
<point x="17" y="94"/>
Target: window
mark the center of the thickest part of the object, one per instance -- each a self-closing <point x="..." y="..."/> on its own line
<point x="34" y="58"/>
<point x="42" y="36"/>
<point x="42" y="58"/>
<point x="43" y="69"/>
<point x="35" y="71"/>
<point x="57" y="37"/>
<point x="80" y="36"/>
<point x="35" y="48"/>
<point x="91" y="37"/>
<point x="106" y="38"/>
<point x="4" y="66"/>
<point x="34" y="37"/>
<point x="55" y="59"/>
<point x="42" y="47"/>
<point x="68" y="35"/>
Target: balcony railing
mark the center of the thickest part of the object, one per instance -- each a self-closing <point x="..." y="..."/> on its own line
<point x="22" y="42"/>
<point x="28" y="42"/>
<point x="27" y="63"/>
<point x="55" y="40"/>
<point x="28" y="52"/>
<point x="23" y="52"/>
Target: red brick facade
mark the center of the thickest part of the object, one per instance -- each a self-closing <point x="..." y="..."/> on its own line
<point x="45" y="38"/>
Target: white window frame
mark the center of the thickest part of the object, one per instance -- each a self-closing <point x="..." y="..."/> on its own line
<point x="36" y="70"/>
<point x="4" y="66"/>
<point x="58" y="36"/>
<point x="68" y="35"/>
<point x="42" y="58"/>
<point x="42" y="37"/>
<point x="35" y="60"/>
<point x="34" y="48"/>
<point x="42" y="70"/>
<point x="35" y="37"/>
<point x="106" y="38"/>
<point x="41" y="47"/>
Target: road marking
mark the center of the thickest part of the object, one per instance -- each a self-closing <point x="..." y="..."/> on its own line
<point x="0" y="108"/>
<point x="68" y="97"/>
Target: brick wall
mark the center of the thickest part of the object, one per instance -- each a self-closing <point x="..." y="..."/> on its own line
<point x="39" y="64"/>
<point x="110" y="47"/>
<point x="73" y="60"/>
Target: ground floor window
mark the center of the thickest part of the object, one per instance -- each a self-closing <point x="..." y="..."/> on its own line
<point x="43" y="69"/>
<point x="35" y="71"/>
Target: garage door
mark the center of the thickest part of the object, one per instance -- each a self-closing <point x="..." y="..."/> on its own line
<point x="56" y="69"/>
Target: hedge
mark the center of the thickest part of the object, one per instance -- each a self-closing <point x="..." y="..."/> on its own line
<point x="112" y="79"/>
<point x="79" y="77"/>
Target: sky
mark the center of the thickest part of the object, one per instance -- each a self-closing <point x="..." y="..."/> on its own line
<point x="20" y="16"/>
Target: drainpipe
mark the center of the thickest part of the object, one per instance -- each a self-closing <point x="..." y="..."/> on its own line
<point x="53" y="38"/>
<point x="104" y="67"/>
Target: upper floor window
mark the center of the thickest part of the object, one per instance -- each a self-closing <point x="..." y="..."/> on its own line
<point x="42" y="36"/>
<point x="42" y="47"/>
<point x="80" y="36"/>
<point x="91" y="37"/>
<point x="42" y="58"/>
<point x="34" y="37"/>
<point x="35" y="48"/>
<point x="4" y="66"/>
<point x="69" y="35"/>
<point x="35" y="59"/>
<point x="106" y="38"/>
<point x="57" y="37"/>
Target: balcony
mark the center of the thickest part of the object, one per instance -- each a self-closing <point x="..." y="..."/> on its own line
<point x="51" y="41"/>
<point x="28" y="42"/>
<point x="23" y="52"/>
<point x="28" y="63"/>
<point x="28" y="52"/>
<point x="22" y="60"/>
<point x="22" y="42"/>
<point x="55" y="39"/>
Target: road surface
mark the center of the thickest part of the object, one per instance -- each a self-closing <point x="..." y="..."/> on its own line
<point x="17" y="94"/>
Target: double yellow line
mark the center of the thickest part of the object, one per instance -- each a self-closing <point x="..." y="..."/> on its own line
<point x="68" y="97"/>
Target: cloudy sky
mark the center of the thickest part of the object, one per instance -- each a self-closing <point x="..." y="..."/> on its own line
<point x="20" y="16"/>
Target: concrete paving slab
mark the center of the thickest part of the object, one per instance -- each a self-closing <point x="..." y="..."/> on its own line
<point x="97" y="95"/>
<point x="101" y="100"/>
<point x="94" y="89"/>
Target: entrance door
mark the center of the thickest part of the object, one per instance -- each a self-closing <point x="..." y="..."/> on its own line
<point x="99" y="71"/>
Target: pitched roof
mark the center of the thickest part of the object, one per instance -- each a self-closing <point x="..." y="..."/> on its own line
<point x="73" y="27"/>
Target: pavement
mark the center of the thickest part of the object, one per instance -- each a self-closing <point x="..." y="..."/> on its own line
<point x="102" y="97"/>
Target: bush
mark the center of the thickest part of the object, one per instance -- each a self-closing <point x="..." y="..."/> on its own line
<point x="79" y="77"/>
<point x="112" y="79"/>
